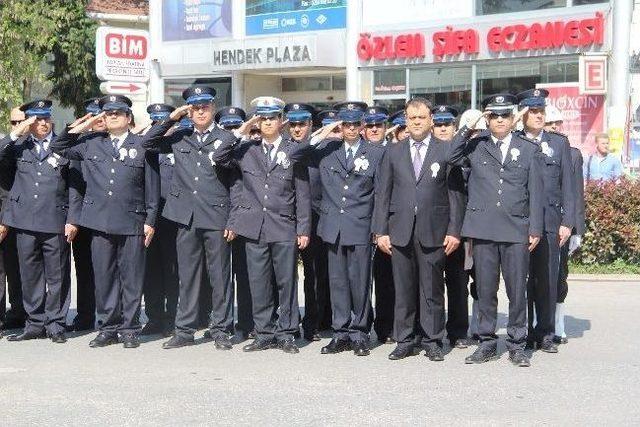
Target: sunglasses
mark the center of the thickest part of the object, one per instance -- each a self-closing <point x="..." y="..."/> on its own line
<point x="16" y="122"/>
<point x="496" y="115"/>
<point x="350" y="124"/>
<point x="373" y="125"/>
<point x="442" y="124"/>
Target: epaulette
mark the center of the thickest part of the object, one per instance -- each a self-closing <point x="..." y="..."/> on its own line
<point x="553" y="132"/>
<point x="523" y="136"/>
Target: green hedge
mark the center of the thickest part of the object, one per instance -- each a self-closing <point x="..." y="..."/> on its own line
<point x="613" y="223"/>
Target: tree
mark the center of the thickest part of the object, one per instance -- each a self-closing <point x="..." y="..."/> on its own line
<point x="41" y="35"/>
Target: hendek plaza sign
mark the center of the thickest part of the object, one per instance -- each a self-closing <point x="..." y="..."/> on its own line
<point x="277" y="52"/>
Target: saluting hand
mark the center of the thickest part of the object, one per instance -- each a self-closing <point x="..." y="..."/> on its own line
<point x="85" y="123"/>
<point x="391" y="130"/>
<point x="519" y="115"/>
<point x="450" y="244"/>
<point x="180" y="112"/>
<point x="246" y="126"/>
<point x="149" y="231"/>
<point x="80" y="120"/>
<point x="23" y="127"/>
<point x="533" y="242"/>
<point x="324" y="131"/>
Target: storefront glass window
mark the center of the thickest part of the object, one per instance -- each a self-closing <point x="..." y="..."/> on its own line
<point x="490" y="7"/>
<point x="517" y="76"/>
<point x="443" y="85"/>
<point x="581" y="2"/>
<point x="315" y="83"/>
<point x="390" y="82"/>
<point x="173" y="89"/>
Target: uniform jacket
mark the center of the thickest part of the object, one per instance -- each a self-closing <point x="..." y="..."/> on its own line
<point x="199" y="193"/>
<point x="348" y="193"/>
<point x="578" y="186"/>
<point x="505" y="200"/>
<point x="557" y="176"/>
<point x="275" y="203"/>
<point x="44" y="194"/>
<point x="433" y="201"/>
<point x="121" y="193"/>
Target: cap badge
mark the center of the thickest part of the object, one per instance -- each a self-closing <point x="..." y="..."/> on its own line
<point x="41" y="104"/>
<point x="350" y="106"/>
<point x="198" y="90"/>
<point x="499" y="99"/>
<point x="112" y="98"/>
<point x="158" y="107"/>
<point x="296" y="106"/>
<point x="442" y="108"/>
<point x="232" y="110"/>
<point x="536" y="92"/>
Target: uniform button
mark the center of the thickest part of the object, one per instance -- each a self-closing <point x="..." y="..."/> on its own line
<point x="39" y="173"/>
<point x="198" y="164"/>
<point x="341" y="210"/>
<point x="499" y="191"/>
<point x="346" y="187"/>
<point x="195" y="191"/>
<point x="35" y="196"/>
<point x="266" y="186"/>
<point x="110" y="193"/>
<point x="344" y="199"/>
<point x="501" y="169"/>
<point x="346" y="176"/>
<point x="114" y="159"/>
<point x="266" y="197"/>
<point x="110" y="181"/>
<point x="415" y="209"/>
<point x="501" y="180"/>
<point x="40" y="164"/>
<point x="113" y="171"/>
<point x="200" y="152"/>
<point x="264" y="209"/>
<point x="498" y="204"/>
<point x="268" y="175"/>
<point x="196" y="178"/>
<point x="37" y="184"/>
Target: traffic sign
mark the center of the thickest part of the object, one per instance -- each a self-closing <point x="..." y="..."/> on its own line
<point x="122" y="54"/>
<point x="123" y="88"/>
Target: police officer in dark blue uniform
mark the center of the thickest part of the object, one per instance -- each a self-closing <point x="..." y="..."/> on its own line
<point x="39" y="210"/>
<point x="348" y="170"/>
<point x="504" y="217"/>
<point x="274" y="216"/>
<point x="456" y="277"/>
<point x="314" y="257"/>
<point x="231" y="118"/>
<point x="199" y="201"/>
<point x="417" y="224"/>
<point x="559" y="219"/>
<point x="120" y="207"/>
<point x="161" y="277"/>
<point x="81" y="246"/>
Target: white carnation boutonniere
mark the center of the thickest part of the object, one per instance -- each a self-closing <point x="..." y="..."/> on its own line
<point x="216" y="144"/>
<point x="282" y="160"/>
<point x="211" y="159"/>
<point x="53" y="162"/>
<point x="133" y="153"/>
<point x="123" y="153"/>
<point x="435" y="168"/>
<point x="546" y="150"/>
<point x="361" y="164"/>
<point x="515" y="153"/>
<point x="171" y="158"/>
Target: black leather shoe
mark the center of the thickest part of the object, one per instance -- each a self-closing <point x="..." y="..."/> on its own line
<point x="402" y="351"/>
<point x="482" y="354"/>
<point x="58" y="338"/>
<point x="103" y="339"/>
<point x="460" y="343"/>
<point x="560" y="340"/>
<point x="386" y="340"/>
<point x="169" y="331"/>
<point x="13" y="322"/>
<point x="130" y="341"/>
<point x="530" y="345"/>
<point x="178" y="341"/>
<point x="252" y="335"/>
<point x="259" y="345"/>
<point x="518" y="358"/>
<point x="434" y="353"/>
<point x="223" y="342"/>
<point x="548" y="346"/>
<point x="151" y="328"/>
<point x="27" y="335"/>
<point x="288" y="346"/>
<point x="337" y="345"/>
<point x="360" y="348"/>
<point x="79" y="325"/>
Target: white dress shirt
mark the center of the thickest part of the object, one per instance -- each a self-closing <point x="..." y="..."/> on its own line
<point x="423" y="148"/>
<point x="505" y="144"/>
<point x="275" y="145"/>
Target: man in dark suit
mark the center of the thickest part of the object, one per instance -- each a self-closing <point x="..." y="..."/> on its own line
<point x="559" y="219"/>
<point x="161" y="276"/>
<point x="349" y="175"/>
<point x="120" y="207"/>
<point x="417" y="223"/>
<point x="504" y="217"/>
<point x="553" y="119"/>
<point x="10" y="276"/>
<point x="317" y="305"/>
<point x="39" y="209"/>
<point x="274" y="216"/>
<point x="456" y="277"/>
<point x="199" y="201"/>
<point x="375" y="118"/>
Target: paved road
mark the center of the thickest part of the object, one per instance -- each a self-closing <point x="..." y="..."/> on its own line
<point x="593" y="380"/>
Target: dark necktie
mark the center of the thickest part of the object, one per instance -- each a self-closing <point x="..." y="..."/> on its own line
<point x="114" y="143"/>
<point x="417" y="158"/>
<point x="349" y="158"/>
<point x="268" y="148"/>
<point x="42" y="152"/>
<point x="202" y="137"/>
<point x="499" y="145"/>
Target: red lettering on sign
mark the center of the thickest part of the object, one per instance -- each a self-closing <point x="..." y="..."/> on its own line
<point x="129" y="47"/>
<point x="549" y="35"/>
<point x="403" y="46"/>
<point x="455" y="42"/>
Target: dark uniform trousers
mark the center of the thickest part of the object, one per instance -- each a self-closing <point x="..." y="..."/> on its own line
<point x="243" y="290"/>
<point x="161" y="277"/>
<point x="385" y="295"/>
<point x="10" y="274"/>
<point x="542" y="287"/>
<point x="456" y="280"/>
<point x="563" y="274"/>
<point x="317" y="303"/>
<point x="350" y="284"/>
<point x="513" y="260"/>
<point x="191" y="243"/>
<point x="85" y="285"/>
<point x="46" y="269"/>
